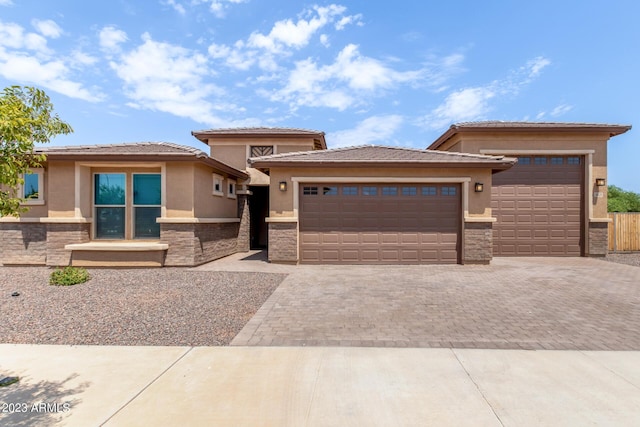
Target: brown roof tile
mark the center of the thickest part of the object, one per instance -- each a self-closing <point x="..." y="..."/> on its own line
<point x="138" y="151"/>
<point x="612" y="129"/>
<point x="380" y="156"/>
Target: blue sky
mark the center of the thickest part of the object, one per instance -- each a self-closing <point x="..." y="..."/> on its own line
<point x="394" y="73"/>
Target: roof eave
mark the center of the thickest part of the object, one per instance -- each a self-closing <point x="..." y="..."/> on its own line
<point x="266" y="164"/>
<point x="612" y="130"/>
<point x="165" y="157"/>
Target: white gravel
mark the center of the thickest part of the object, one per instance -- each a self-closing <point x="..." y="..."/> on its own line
<point x="163" y="306"/>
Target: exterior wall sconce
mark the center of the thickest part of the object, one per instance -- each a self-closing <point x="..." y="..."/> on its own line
<point x="479" y="187"/>
<point x="600" y="182"/>
<point x="283" y="186"/>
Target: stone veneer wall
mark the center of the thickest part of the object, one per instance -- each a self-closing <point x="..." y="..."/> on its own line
<point x="244" y="237"/>
<point x="478" y="242"/>
<point x="59" y="235"/>
<point x="598" y="239"/>
<point x="193" y="244"/>
<point x="23" y="243"/>
<point x="283" y="242"/>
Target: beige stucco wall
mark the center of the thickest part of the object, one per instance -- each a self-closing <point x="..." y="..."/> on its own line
<point x="206" y="204"/>
<point x="235" y="151"/>
<point x="474" y="142"/>
<point x="61" y="189"/>
<point x="180" y="194"/>
<point x="281" y="203"/>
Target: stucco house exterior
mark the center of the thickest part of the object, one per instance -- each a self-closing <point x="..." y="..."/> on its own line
<point x="480" y="190"/>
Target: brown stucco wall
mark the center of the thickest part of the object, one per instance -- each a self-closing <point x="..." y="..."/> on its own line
<point x="61" y="189"/>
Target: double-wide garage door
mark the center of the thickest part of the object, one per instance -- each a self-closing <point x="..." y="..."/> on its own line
<point x="379" y="223"/>
<point x="538" y="206"/>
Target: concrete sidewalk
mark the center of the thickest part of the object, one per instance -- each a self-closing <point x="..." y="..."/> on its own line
<point x="320" y="386"/>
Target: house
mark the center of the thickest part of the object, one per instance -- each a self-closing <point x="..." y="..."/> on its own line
<point x="481" y="189"/>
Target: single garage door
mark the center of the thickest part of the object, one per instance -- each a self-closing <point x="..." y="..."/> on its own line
<point x="538" y="206"/>
<point x="379" y="223"/>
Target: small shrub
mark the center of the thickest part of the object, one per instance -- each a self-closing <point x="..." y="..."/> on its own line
<point x="68" y="276"/>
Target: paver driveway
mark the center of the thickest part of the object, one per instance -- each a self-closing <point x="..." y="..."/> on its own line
<point x="527" y="303"/>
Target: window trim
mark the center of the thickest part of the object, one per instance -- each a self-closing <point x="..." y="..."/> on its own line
<point x="34" y="200"/>
<point x="214" y="191"/>
<point x="232" y="189"/>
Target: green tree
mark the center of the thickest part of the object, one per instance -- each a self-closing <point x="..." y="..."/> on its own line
<point x="26" y="118"/>
<point x="619" y="200"/>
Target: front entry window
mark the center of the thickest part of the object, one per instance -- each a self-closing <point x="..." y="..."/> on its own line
<point x="110" y="203"/>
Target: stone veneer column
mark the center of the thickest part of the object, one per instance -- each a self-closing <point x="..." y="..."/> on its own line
<point x="181" y="241"/>
<point x="244" y="236"/>
<point x="598" y="239"/>
<point x="61" y="234"/>
<point x="478" y="242"/>
<point x="283" y="242"/>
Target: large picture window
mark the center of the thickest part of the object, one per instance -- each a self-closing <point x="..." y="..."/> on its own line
<point x="110" y="205"/>
<point x="119" y="215"/>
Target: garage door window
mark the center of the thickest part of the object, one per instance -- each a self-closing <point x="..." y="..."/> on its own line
<point x="409" y="191"/>
<point x="389" y="191"/>
<point x="573" y="160"/>
<point x="350" y="191"/>
<point x="524" y="160"/>
<point x="557" y="160"/>
<point x="330" y="191"/>
<point x="369" y="191"/>
<point x="540" y="161"/>
<point x="429" y="191"/>
<point x="448" y="191"/>
<point x="310" y="191"/>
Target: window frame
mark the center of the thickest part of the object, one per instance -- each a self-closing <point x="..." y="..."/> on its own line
<point x="95" y="206"/>
<point x="134" y="205"/>
<point x="232" y="187"/>
<point x="39" y="172"/>
<point x="219" y="178"/>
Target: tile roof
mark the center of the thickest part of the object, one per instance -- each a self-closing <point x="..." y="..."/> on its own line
<point x="148" y="148"/>
<point x="146" y="151"/>
<point x="379" y="155"/>
<point x="612" y="129"/>
<point x="258" y="130"/>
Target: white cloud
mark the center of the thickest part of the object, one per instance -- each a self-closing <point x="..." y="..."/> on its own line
<point x="341" y="84"/>
<point x="170" y="78"/>
<point x="26" y="59"/>
<point x="289" y="34"/>
<point x="47" y="28"/>
<point x="473" y="103"/>
<point x="375" y="129"/>
<point x="111" y="38"/>
<point x="175" y="5"/>
<point x="6" y="3"/>
<point x="217" y="7"/>
<point x="559" y="110"/>
<point x="347" y="20"/>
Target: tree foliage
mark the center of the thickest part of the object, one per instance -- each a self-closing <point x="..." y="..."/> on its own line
<point x="620" y="200"/>
<point x="26" y="118"/>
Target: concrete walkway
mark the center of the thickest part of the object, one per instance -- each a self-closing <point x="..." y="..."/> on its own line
<point x="320" y="386"/>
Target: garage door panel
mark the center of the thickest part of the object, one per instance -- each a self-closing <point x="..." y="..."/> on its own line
<point x="391" y="229"/>
<point x="547" y="219"/>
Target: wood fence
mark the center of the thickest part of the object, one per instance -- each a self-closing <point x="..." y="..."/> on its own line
<point x="624" y="231"/>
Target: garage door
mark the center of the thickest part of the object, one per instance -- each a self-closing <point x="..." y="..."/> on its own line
<point x="538" y="206"/>
<point x="377" y="223"/>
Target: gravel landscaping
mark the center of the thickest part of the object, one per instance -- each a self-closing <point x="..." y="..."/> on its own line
<point x="167" y="306"/>
<point x="624" y="258"/>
